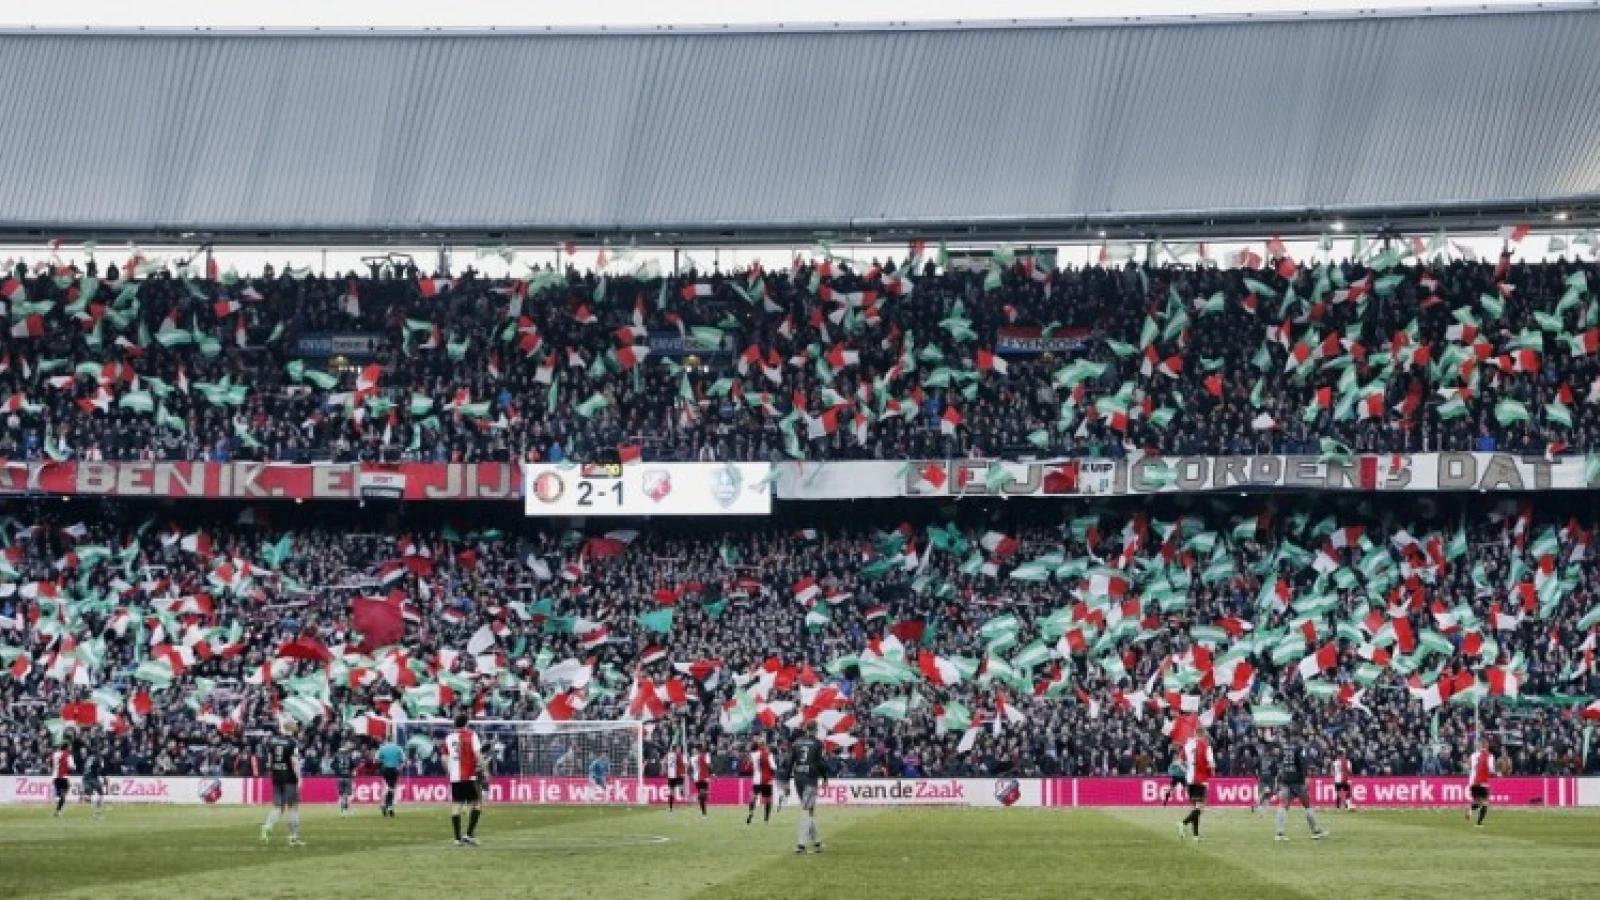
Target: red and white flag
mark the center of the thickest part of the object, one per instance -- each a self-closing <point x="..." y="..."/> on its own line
<point x="950" y="421"/>
<point x="1321" y="661"/>
<point x="938" y="670"/>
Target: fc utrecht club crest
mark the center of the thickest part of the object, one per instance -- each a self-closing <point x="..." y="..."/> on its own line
<point x="725" y="486"/>
<point x="657" y="484"/>
<point x="1007" y="791"/>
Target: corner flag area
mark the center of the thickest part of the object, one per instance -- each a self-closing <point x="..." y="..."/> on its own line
<point x="595" y="852"/>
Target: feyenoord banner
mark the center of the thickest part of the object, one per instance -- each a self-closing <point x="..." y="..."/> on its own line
<point x="266" y="481"/>
<point x="1186" y="474"/>
<point x="1487" y="472"/>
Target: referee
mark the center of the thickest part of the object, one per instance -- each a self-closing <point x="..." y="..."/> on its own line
<point x="390" y="758"/>
<point x="810" y="771"/>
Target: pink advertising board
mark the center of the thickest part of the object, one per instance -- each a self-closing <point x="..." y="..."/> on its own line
<point x="1380" y="792"/>
<point x="564" y="791"/>
<point x="1411" y="791"/>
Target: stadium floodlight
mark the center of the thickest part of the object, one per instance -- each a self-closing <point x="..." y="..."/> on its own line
<point x="602" y="762"/>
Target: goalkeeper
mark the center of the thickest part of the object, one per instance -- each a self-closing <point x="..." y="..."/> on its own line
<point x="600" y="772"/>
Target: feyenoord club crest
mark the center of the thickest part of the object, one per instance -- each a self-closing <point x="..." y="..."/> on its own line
<point x="549" y="487"/>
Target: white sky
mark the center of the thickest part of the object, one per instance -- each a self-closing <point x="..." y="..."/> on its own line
<point x="527" y="13"/>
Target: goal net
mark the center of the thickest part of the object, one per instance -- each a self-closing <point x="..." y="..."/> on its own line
<point x="607" y="757"/>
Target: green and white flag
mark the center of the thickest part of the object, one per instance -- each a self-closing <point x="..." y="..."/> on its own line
<point x="1454" y="408"/>
<point x="157" y="672"/>
<point x="898" y="709"/>
<point x="953" y="716"/>
<point x="1509" y="411"/>
<point x="659" y="621"/>
<point x="880" y="670"/>
<point x="999" y="627"/>
<point x="1270" y="716"/>
<point x="590" y="407"/>
<point x="1156" y="476"/>
<point x="138" y="401"/>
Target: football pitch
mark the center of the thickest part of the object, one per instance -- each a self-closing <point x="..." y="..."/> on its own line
<point x="640" y="853"/>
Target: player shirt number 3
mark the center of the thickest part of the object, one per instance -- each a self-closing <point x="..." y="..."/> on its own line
<point x="462" y="750"/>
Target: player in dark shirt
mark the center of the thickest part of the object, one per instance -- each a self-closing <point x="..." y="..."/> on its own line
<point x="343" y="764"/>
<point x="783" y="773"/>
<point x="343" y="767"/>
<point x="283" y="764"/>
<point x="1292" y="765"/>
<point x="809" y="765"/>
<point x="1177" y="781"/>
<point x="94" y="780"/>
<point x="1266" y="780"/>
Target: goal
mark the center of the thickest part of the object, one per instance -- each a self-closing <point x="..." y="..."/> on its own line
<point x="609" y="756"/>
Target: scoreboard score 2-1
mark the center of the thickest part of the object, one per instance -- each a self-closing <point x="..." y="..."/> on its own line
<point x="649" y="489"/>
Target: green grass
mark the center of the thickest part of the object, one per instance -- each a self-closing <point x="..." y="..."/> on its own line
<point x="642" y="854"/>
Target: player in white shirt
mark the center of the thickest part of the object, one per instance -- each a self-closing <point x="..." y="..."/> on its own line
<point x="1480" y="766"/>
<point x="761" y="773"/>
<point x="700" y="774"/>
<point x="465" y="763"/>
<point x="676" y="765"/>
<point x="61" y="766"/>
<point x="1342" y="775"/>
<point x="1199" y="763"/>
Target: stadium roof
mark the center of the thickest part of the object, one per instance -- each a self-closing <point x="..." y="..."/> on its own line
<point x="998" y="130"/>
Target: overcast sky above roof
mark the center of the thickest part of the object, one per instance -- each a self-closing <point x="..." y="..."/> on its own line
<point x="530" y="13"/>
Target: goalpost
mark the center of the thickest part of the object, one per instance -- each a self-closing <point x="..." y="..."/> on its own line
<point x="603" y="754"/>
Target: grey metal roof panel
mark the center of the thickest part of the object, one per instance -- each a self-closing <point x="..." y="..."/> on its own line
<point x="653" y="131"/>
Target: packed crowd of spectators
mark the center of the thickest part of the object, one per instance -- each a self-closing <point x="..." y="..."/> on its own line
<point x="1006" y="641"/>
<point x="829" y="359"/>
